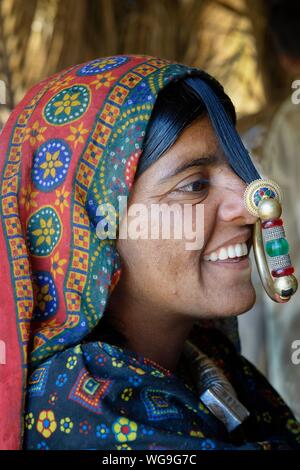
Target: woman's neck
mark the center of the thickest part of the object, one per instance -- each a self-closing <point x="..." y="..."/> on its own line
<point x="157" y="335"/>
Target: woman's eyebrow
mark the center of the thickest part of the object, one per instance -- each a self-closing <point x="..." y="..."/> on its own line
<point x="206" y="160"/>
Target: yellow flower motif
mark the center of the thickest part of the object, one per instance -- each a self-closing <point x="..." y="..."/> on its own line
<point x="137" y="370"/>
<point x="124" y="429"/>
<point x="124" y="447"/>
<point x="293" y="426"/>
<point x="157" y="373"/>
<point x="196" y="433"/>
<point x="43" y="296"/>
<point x="46" y="424"/>
<point x="77" y="134"/>
<point x="66" y="425"/>
<point x="29" y="420"/>
<point x="103" y="80"/>
<point x="28" y="197"/>
<point x="77" y="349"/>
<point x="98" y="63"/>
<point x="65" y="105"/>
<point x="35" y="133"/>
<point x="117" y="363"/>
<point x="45" y="232"/>
<point x="61" y="200"/>
<point x="71" y="362"/>
<point x="51" y="164"/>
<point x="127" y="394"/>
<point x="56" y="264"/>
<point x="203" y="408"/>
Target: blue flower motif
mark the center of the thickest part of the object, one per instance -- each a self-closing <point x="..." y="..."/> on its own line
<point x="87" y="357"/>
<point x="100" y="65"/>
<point x="61" y="380"/>
<point x="207" y="444"/>
<point x="50" y="164"/>
<point x="42" y="446"/>
<point x="46" y="297"/>
<point x="102" y="431"/>
<point x="147" y="431"/>
<point x="135" y="381"/>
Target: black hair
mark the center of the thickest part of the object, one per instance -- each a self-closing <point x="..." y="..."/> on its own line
<point x="175" y="108"/>
<point x="284" y="24"/>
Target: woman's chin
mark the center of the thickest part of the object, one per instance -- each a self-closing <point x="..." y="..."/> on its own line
<point x="242" y="302"/>
<point x="239" y="301"/>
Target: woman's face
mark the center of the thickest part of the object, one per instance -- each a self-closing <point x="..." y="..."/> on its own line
<point x="213" y="280"/>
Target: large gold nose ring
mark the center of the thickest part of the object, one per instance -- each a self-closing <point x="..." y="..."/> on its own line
<point x="263" y="199"/>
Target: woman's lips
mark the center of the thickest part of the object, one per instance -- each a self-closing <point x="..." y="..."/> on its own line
<point x="242" y="262"/>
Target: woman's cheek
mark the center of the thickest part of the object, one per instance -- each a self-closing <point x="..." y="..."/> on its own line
<point x="209" y="223"/>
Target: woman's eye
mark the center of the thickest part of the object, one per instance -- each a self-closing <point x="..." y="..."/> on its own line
<point x="196" y="186"/>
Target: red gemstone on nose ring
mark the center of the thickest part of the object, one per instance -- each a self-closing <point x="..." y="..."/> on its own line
<point x="272" y="223"/>
<point x="283" y="272"/>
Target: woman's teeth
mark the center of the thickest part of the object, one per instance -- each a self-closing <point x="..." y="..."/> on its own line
<point x="233" y="251"/>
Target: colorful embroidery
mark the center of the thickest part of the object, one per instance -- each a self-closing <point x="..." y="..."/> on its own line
<point x="44" y="231"/>
<point x="35" y="133"/>
<point x="77" y="134"/>
<point x="66" y="425"/>
<point x="67" y="105"/>
<point x="46" y="424"/>
<point x="29" y="421"/>
<point x="159" y="405"/>
<point x="50" y="164"/>
<point x="89" y="392"/>
<point x="38" y="380"/>
<point x="146" y="416"/>
<point x="46" y="296"/>
<point x="125" y="430"/>
<point x="101" y="65"/>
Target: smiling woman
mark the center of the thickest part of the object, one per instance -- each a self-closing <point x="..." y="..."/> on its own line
<point x="172" y="292"/>
<point x="130" y="343"/>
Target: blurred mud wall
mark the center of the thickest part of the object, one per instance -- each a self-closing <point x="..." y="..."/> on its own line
<point x="228" y="38"/>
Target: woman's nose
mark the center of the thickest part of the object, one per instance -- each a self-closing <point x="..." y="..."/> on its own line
<point x="232" y="206"/>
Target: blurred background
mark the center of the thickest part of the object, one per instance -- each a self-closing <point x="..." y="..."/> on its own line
<point x="254" y="58"/>
<point x="228" y="38"/>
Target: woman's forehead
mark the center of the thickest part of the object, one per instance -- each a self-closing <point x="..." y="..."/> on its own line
<point x="196" y="146"/>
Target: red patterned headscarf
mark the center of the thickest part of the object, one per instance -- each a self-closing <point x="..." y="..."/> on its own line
<point x="72" y="143"/>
